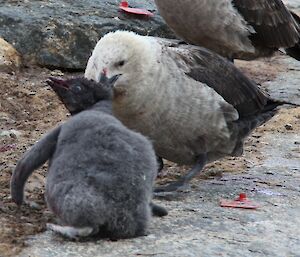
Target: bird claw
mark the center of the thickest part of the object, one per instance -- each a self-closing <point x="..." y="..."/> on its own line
<point x="167" y="195"/>
<point x="177" y="186"/>
<point x="171" y="191"/>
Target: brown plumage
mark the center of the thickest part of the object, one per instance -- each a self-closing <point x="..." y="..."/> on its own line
<point x="194" y="105"/>
<point x="242" y="29"/>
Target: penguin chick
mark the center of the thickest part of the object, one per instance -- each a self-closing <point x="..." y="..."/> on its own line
<point x="100" y="174"/>
<point x="78" y="94"/>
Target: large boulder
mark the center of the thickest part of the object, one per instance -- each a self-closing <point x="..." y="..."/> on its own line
<point x="10" y="59"/>
<point x="62" y="33"/>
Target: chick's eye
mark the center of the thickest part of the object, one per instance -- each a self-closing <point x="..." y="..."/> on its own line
<point x="77" y="89"/>
<point x="120" y="63"/>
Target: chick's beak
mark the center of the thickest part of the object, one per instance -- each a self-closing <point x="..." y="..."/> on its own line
<point x="57" y="83"/>
<point x="112" y="80"/>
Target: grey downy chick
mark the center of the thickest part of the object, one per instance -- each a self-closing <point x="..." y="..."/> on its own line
<point x="236" y="29"/>
<point x="194" y="105"/>
<point x="100" y="174"/>
<point x="79" y="94"/>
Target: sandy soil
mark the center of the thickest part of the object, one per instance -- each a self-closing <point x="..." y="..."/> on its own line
<point x="31" y="109"/>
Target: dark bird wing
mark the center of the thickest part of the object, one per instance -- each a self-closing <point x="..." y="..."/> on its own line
<point x="295" y="50"/>
<point x="207" y="67"/>
<point x="274" y="24"/>
<point x="31" y="160"/>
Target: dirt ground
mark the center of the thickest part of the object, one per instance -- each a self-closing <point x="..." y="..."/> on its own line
<point x="28" y="108"/>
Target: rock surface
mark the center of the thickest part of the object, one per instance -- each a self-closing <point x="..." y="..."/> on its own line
<point x="62" y="33"/>
<point x="292" y="3"/>
<point x="10" y="59"/>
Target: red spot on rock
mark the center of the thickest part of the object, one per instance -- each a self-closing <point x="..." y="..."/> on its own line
<point x="124" y="6"/>
<point x="241" y="202"/>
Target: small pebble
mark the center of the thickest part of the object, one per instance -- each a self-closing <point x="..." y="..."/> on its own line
<point x="57" y="73"/>
<point x="33" y="205"/>
<point x="288" y="127"/>
<point x="10" y="133"/>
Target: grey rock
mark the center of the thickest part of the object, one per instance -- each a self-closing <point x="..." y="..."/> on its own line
<point x="288" y="127"/>
<point x="293" y="4"/>
<point x="9" y="58"/>
<point x="62" y="33"/>
<point x="278" y="87"/>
